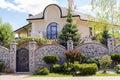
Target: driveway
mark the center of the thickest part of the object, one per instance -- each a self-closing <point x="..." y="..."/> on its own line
<point x="26" y="77"/>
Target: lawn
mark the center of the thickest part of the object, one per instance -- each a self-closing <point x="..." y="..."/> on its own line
<point x="53" y="75"/>
<point x="70" y="75"/>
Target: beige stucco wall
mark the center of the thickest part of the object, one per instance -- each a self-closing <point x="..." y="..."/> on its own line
<point x="52" y="14"/>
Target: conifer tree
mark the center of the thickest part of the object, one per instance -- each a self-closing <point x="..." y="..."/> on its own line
<point x="105" y="36"/>
<point x="69" y="30"/>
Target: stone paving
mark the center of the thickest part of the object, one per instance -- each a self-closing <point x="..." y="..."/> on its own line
<point x="26" y="77"/>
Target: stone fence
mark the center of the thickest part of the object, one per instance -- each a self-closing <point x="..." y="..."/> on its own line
<point x="35" y="55"/>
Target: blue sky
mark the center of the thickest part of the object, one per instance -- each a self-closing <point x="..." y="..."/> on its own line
<point x="16" y="12"/>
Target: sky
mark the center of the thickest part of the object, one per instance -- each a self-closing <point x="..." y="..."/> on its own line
<point x="16" y="12"/>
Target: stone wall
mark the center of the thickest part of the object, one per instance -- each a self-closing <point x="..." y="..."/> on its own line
<point x="5" y="56"/>
<point x="117" y="49"/>
<point x="93" y="49"/>
<point x="48" y="50"/>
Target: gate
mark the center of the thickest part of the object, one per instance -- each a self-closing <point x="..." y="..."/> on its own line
<point x="22" y="60"/>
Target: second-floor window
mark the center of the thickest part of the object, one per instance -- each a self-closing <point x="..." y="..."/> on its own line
<point x="52" y="30"/>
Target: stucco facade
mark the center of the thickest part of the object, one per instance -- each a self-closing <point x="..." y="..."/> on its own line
<point x="38" y="24"/>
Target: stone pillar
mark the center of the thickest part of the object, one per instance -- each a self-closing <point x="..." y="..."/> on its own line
<point x="13" y="49"/>
<point x="111" y="45"/>
<point x="32" y="48"/>
<point x="69" y="44"/>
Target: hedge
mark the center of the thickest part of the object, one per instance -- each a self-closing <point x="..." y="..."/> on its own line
<point x="42" y="71"/>
<point x="88" y="69"/>
<point x="115" y="57"/>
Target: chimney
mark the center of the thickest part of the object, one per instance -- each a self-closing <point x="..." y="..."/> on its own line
<point x="71" y="4"/>
<point x="30" y="15"/>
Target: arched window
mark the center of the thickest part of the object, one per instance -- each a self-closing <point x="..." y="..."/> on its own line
<point x="52" y="30"/>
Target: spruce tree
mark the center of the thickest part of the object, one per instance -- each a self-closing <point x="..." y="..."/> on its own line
<point x="69" y="30"/>
<point x="105" y="36"/>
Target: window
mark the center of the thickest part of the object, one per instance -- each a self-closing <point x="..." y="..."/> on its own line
<point x="90" y="31"/>
<point x="52" y="30"/>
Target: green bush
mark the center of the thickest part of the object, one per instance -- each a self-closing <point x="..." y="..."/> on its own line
<point x="50" y="59"/>
<point x="76" y="66"/>
<point x="115" y="57"/>
<point x="56" y="68"/>
<point x="42" y="71"/>
<point x="95" y="60"/>
<point x="88" y="69"/>
<point x="105" y="62"/>
<point x="67" y="67"/>
<point x="1" y="66"/>
<point x="117" y="69"/>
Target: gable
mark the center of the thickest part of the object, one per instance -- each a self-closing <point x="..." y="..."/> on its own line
<point x="52" y="12"/>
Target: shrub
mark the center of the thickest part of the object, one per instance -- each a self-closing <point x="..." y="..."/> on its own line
<point x="56" y="68"/>
<point x="67" y="67"/>
<point x="105" y="62"/>
<point x="73" y="55"/>
<point x="8" y="71"/>
<point x="84" y="58"/>
<point x="1" y="66"/>
<point x="50" y="59"/>
<point x="95" y="60"/>
<point x="88" y="69"/>
<point x="115" y="57"/>
<point x="76" y="66"/>
<point x="117" y="69"/>
<point x="42" y="71"/>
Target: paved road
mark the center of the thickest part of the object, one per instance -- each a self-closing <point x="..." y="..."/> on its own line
<point x="26" y="77"/>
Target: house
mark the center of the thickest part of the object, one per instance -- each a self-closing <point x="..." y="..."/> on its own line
<point x="49" y="23"/>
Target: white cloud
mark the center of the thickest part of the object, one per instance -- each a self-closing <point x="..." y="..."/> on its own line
<point x="28" y="6"/>
<point x="86" y="9"/>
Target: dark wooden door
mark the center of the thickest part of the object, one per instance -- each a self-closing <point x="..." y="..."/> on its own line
<point x="22" y="60"/>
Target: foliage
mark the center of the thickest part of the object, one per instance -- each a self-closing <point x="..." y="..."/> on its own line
<point x="73" y="55"/>
<point x="105" y="62"/>
<point x="76" y="66"/>
<point x="9" y="71"/>
<point x="117" y="69"/>
<point x="115" y="57"/>
<point x="105" y="35"/>
<point x="88" y="69"/>
<point x="6" y="34"/>
<point x="25" y="40"/>
<point x="50" y="59"/>
<point x="69" y="30"/>
<point x="1" y="66"/>
<point x="84" y="58"/>
<point x="56" y="68"/>
<point x="67" y="67"/>
<point x="95" y="60"/>
<point x="108" y="10"/>
<point x="42" y="71"/>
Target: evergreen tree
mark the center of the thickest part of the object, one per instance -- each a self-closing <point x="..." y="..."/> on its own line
<point x="105" y="36"/>
<point x="69" y="30"/>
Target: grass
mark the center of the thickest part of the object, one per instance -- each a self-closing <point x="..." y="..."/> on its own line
<point x="53" y="75"/>
<point x="106" y="74"/>
<point x="70" y="75"/>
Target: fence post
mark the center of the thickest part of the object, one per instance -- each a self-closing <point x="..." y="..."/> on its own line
<point x="32" y="48"/>
<point x="70" y="44"/>
<point x="13" y="49"/>
<point x="111" y="45"/>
